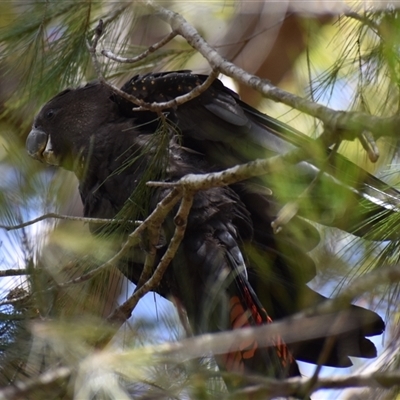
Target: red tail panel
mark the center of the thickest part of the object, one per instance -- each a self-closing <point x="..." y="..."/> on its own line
<point x="247" y="312"/>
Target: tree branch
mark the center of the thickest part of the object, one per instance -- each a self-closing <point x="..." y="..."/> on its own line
<point x="348" y="125"/>
<point x="196" y="182"/>
<point x="177" y="352"/>
<point x="122" y="313"/>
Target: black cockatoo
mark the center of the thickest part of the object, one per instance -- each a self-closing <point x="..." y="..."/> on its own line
<point x="231" y="269"/>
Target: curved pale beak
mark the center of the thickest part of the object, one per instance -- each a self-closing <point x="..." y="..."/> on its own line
<point x="38" y="146"/>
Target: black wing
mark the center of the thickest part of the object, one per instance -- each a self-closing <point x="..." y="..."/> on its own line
<point x="230" y="261"/>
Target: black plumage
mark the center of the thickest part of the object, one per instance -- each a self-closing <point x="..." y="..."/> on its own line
<point x="231" y="269"/>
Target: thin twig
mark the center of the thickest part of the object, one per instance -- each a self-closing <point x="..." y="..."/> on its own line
<point x="14" y="272"/>
<point x="177" y="101"/>
<point x="152" y="240"/>
<point x="143" y="105"/>
<point x="67" y="218"/>
<point x="109" y="54"/>
<point x="180" y="221"/>
<point x="158" y="107"/>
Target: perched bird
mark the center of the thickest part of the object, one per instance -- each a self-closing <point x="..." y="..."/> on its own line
<point x="231" y="270"/>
